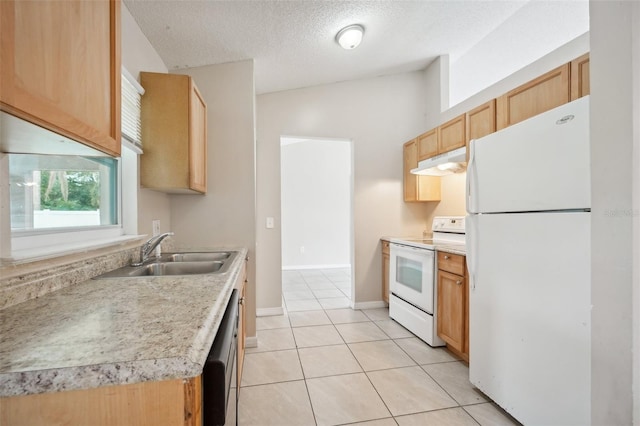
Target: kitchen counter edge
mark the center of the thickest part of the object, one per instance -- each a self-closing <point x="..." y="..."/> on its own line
<point x="120" y="372"/>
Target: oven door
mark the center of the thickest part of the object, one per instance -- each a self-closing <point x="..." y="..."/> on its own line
<point x="411" y="275"/>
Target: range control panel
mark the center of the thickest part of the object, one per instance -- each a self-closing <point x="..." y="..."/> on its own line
<point x="451" y="224"/>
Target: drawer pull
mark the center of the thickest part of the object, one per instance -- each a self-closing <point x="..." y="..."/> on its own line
<point x="459" y="282"/>
<point x="446" y="257"/>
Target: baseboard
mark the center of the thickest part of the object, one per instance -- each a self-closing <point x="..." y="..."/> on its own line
<point x="334" y="266"/>
<point x="269" y="312"/>
<point x="370" y="305"/>
<point x="251" y="342"/>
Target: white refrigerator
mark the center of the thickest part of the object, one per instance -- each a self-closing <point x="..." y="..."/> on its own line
<point x="528" y="254"/>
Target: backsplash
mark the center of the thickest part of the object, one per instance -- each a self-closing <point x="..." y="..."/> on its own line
<point x="24" y="282"/>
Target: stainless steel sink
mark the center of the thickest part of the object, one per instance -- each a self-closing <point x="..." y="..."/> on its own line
<point x="195" y="257"/>
<point x="174" y="264"/>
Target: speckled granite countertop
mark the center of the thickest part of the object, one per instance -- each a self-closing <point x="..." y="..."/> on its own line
<point x="113" y="331"/>
<point x="428" y="243"/>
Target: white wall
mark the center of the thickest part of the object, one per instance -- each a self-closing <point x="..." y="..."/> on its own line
<point x="225" y="216"/>
<point x="378" y="115"/>
<point x="138" y="55"/>
<point x="613" y="118"/>
<point x="316" y="203"/>
<point x="531" y="32"/>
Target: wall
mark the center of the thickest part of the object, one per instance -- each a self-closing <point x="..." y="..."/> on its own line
<point x="436" y="86"/>
<point x="138" y="55"/>
<point x="613" y="284"/>
<point x="225" y="216"/>
<point x="316" y="203"/>
<point x="531" y="32"/>
<point x="636" y="208"/>
<point x="378" y="115"/>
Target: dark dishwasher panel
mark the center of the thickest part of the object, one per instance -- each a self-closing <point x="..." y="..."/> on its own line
<point x="219" y="379"/>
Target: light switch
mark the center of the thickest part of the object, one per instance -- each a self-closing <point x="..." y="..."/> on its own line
<point x="269" y="223"/>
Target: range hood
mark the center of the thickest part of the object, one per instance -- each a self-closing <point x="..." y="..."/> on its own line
<point x="443" y="164"/>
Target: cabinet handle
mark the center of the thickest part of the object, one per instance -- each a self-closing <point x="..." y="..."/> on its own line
<point x="446" y="257"/>
<point x="459" y="282"/>
<point x="241" y="301"/>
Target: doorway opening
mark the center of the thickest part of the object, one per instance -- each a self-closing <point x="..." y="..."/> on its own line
<point x="317" y="223"/>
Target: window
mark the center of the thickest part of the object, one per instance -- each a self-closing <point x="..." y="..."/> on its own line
<point x="56" y="191"/>
<point x="59" y="196"/>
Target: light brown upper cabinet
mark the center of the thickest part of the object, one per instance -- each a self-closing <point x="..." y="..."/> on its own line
<point x="447" y="137"/>
<point x="174" y="134"/>
<point x="481" y="121"/>
<point x="428" y="144"/>
<point x="546" y="92"/>
<point x="416" y="187"/>
<point x="580" y="77"/>
<point x="60" y="68"/>
<point x="451" y="135"/>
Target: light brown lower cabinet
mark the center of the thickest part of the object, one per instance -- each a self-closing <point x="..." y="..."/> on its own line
<point x="172" y="403"/>
<point x="453" y="303"/>
<point x="241" y="285"/>
<point x="385" y="270"/>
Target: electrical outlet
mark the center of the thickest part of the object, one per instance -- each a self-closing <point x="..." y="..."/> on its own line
<point x="155" y="224"/>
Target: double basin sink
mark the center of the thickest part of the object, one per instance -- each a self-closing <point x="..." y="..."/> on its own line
<point x="217" y="262"/>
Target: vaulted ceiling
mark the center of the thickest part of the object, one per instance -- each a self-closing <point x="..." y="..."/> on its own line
<point x="293" y="42"/>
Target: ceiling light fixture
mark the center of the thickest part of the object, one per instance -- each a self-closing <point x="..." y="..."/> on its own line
<point x="350" y="37"/>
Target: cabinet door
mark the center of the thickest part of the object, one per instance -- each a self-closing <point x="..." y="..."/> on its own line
<point x="451" y="135"/>
<point x="481" y="121"/>
<point x="427" y="145"/>
<point x="580" y="85"/>
<point x="174" y="133"/>
<point x="197" y="141"/>
<point x="546" y="92"/>
<point x="451" y="309"/>
<point x="410" y="157"/>
<point x="417" y="188"/>
<point x="385" y="275"/>
<point x="242" y="316"/>
<point x="60" y="68"/>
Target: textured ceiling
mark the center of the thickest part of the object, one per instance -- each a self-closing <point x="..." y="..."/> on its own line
<point x="292" y="42"/>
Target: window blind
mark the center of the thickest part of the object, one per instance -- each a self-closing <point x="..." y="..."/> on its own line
<point x="132" y="92"/>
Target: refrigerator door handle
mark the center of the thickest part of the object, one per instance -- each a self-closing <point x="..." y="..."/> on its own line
<point x="471" y="244"/>
<point x="471" y="179"/>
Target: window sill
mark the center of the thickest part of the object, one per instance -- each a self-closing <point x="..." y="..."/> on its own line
<point x="59" y="250"/>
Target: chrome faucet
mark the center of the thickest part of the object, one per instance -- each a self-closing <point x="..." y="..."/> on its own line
<point x="148" y="247"/>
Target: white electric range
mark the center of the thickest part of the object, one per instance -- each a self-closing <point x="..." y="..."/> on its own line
<point x="412" y="270"/>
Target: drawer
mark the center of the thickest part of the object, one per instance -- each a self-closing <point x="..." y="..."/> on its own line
<point x="385" y="247"/>
<point x="453" y="263"/>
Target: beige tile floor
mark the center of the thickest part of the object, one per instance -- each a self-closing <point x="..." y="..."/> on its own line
<point x="317" y="365"/>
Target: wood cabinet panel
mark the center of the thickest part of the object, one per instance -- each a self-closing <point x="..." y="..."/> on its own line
<point x="451" y="309"/>
<point x="580" y="78"/>
<point x="385" y="270"/>
<point x="172" y="402"/>
<point x="452" y="134"/>
<point x="174" y="134"/>
<point x="481" y="121"/>
<point x="416" y="187"/>
<point x="197" y="141"/>
<point x="60" y="68"/>
<point x="427" y="144"/>
<point x="241" y="285"/>
<point x="546" y="92"/>
<point x="453" y="263"/>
